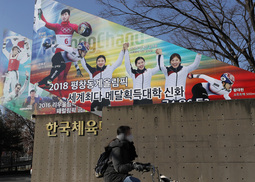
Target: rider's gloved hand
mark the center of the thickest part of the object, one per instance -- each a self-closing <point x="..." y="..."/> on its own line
<point x="138" y="166"/>
<point x="141" y="167"/>
<point x="146" y="167"/>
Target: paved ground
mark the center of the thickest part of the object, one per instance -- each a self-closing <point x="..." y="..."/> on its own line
<point x="12" y="178"/>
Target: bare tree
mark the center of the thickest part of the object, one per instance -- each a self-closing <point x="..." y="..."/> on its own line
<point x="26" y="128"/>
<point x="16" y="136"/>
<point x="223" y="29"/>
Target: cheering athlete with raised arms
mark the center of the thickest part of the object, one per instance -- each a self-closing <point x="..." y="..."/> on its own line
<point x="102" y="71"/>
<point x="176" y="74"/>
<point x="141" y="76"/>
<point x="17" y="91"/>
<point x="64" y="33"/>
<point x="16" y="57"/>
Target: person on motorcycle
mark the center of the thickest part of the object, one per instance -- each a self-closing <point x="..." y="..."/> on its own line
<point x="123" y="153"/>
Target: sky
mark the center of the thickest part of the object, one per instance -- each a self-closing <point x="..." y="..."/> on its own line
<point x="18" y="15"/>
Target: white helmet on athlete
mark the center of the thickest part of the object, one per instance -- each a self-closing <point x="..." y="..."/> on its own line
<point x="228" y="78"/>
<point x="84" y="46"/>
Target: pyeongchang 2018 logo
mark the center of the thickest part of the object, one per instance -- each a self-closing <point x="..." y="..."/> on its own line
<point x="66" y="29"/>
<point x="106" y="40"/>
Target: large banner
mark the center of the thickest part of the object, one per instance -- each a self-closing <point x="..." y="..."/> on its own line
<point x="17" y="93"/>
<point x="92" y="62"/>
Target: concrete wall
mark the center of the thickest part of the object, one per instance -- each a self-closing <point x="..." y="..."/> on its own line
<point x="191" y="142"/>
<point x="62" y="158"/>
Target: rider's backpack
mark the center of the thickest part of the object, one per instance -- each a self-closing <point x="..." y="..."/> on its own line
<point x="102" y="163"/>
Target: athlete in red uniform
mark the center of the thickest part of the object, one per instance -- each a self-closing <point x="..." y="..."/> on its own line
<point x="64" y="33"/>
<point x="16" y="57"/>
<point x="13" y="62"/>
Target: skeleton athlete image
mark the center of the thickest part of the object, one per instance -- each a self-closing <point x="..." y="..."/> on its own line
<point x="176" y="74"/>
<point x="59" y="60"/>
<point x="102" y="71"/>
<point x="141" y="76"/>
<point x="212" y="86"/>
<point x="16" y="57"/>
<point x="64" y="33"/>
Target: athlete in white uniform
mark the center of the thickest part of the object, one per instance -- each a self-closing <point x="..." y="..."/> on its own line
<point x="59" y="60"/>
<point x="102" y="71"/>
<point x="176" y="74"/>
<point x="16" y="57"/>
<point x="212" y="86"/>
<point x="141" y="76"/>
<point x="17" y="91"/>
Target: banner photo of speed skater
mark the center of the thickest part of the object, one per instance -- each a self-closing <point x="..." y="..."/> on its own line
<point x="17" y="93"/>
<point x="93" y="62"/>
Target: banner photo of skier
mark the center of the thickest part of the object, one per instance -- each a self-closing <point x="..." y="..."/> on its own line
<point x="93" y="62"/>
<point x="17" y="93"/>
